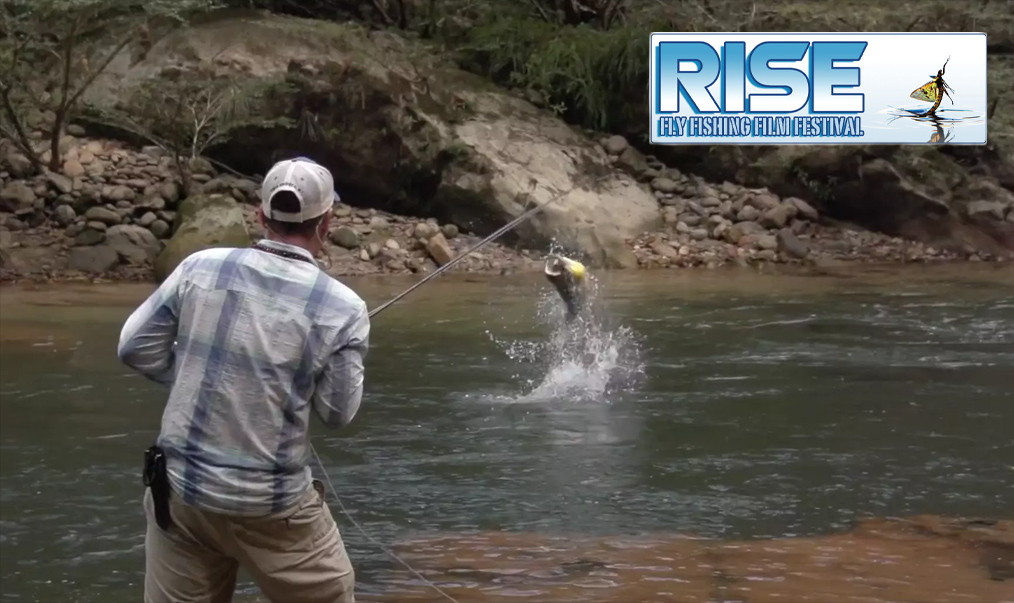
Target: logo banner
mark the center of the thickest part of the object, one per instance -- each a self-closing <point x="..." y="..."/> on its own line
<point x="818" y="88"/>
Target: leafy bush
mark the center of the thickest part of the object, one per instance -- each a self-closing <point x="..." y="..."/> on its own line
<point x="586" y="75"/>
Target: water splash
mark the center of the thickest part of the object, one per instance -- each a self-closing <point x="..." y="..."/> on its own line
<point x="584" y="360"/>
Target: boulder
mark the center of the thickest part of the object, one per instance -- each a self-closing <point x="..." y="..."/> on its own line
<point x="93" y="260"/>
<point x="414" y="138"/>
<point x="135" y="244"/>
<point x="202" y="222"/>
<point x="17" y="197"/>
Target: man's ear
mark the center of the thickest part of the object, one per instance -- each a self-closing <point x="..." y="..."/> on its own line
<point x="324" y="225"/>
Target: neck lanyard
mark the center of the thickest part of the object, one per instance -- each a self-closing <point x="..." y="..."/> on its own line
<point x="282" y="253"/>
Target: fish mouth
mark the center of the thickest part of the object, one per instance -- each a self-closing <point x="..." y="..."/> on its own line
<point x="557" y="266"/>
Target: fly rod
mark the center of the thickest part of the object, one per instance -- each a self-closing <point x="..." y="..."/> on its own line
<point x="489" y="239"/>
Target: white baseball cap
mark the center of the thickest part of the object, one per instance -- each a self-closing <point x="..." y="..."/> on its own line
<point x="310" y="182"/>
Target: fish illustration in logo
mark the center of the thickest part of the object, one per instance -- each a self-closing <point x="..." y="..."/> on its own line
<point x="934" y="90"/>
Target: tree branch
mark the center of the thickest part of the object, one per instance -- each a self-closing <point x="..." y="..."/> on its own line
<point x="101" y="68"/>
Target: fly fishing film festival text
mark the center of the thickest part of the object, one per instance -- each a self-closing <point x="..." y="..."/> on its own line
<point x="697" y="126"/>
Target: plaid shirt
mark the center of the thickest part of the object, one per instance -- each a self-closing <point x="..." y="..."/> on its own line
<point x="248" y="342"/>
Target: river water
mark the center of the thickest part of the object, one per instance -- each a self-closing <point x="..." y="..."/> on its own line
<point x="721" y="404"/>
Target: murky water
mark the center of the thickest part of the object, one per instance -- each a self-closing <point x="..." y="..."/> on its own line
<point x="720" y="405"/>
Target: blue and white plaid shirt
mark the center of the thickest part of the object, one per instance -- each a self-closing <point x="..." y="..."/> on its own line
<point x="248" y="341"/>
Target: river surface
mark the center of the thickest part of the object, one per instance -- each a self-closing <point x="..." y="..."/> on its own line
<point x="722" y="404"/>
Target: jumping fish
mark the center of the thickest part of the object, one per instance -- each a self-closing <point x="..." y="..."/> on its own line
<point x="569" y="278"/>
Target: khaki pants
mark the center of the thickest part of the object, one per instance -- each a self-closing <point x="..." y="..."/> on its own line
<point x="296" y="556"/>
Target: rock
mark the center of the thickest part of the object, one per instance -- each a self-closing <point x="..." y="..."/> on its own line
<point x="94" y="260"/>
<point x="439" y="249"/>
<point x="805" y="209"/>
<point x="61" y="183"/>
<point x="992" y="209"/>
<point x="790" y="245"/>
<point x="215" y="185"/>
<point x="135" y="244"/>
<point x="664" y="185"/>
<point x="101" y="214"/>
<point x="664" y="250"/>
<point x="765" y="201"/>
<point x="767" y="242"/>
<point x="89" y="236"/>
<point x="450" y="231"/>
<point x="202" y="222"/>
<point x="97" y="226"/>
<point x="729" y="188"/>
<point x="64" y="214"/>
<point x="741" y="229"/>
<point x="160" y="228"/>
<point x="119" y="193"/>
<point x="170" y="191"/>
<point x="379" y="223"/>
<point x="749" y="213"/>
<point x="392" y="244"/>
<point x="200" y="166"/>
<point x="17" y="164"/>
<point x="73" y="168"/>
<point x="633" y="162"/>
<point x="151" y="203"/>
<point x="345" y="237"/>
<point x="425" y="230"/>
<point x="16" y="197"/>
<point x="75" y="130"/>
<point x="776" y="217"/>
<point x="507" y="143"/>
<point x="147" y="219"/>
<point x="614" y="145"/>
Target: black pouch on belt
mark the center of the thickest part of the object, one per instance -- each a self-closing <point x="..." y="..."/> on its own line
<point x="156" y="478"/>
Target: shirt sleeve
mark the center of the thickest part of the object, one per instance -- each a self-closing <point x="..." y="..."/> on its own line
<point x="148" y="338"/>
<point x="339" y="389"/>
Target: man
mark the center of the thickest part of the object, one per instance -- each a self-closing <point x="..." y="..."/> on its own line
<point x="249" y="340"/>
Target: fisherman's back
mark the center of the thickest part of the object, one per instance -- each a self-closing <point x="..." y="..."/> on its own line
<point x="255" y="330"/>
<point x="249" y="342"/>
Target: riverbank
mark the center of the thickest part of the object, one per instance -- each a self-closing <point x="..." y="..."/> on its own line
<point x="924" y="558"/>
<point x="111" y="210"/>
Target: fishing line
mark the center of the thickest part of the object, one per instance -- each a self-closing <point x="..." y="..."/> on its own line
<point x="489" y="239"/>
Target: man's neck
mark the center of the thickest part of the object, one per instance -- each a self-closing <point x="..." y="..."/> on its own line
<point x="294" y="241"/>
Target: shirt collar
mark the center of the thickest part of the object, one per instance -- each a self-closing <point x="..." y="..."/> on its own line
<point x="289" y="248"/>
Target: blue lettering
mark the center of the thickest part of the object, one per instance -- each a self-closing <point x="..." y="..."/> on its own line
<point x="793" y="81"/>
<point x="686" y="71"/>
<point x="825" y="77"/>
<point x="673" y="82"/>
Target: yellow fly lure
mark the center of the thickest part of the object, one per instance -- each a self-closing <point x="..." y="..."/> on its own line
<point x="934" y="90"/>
